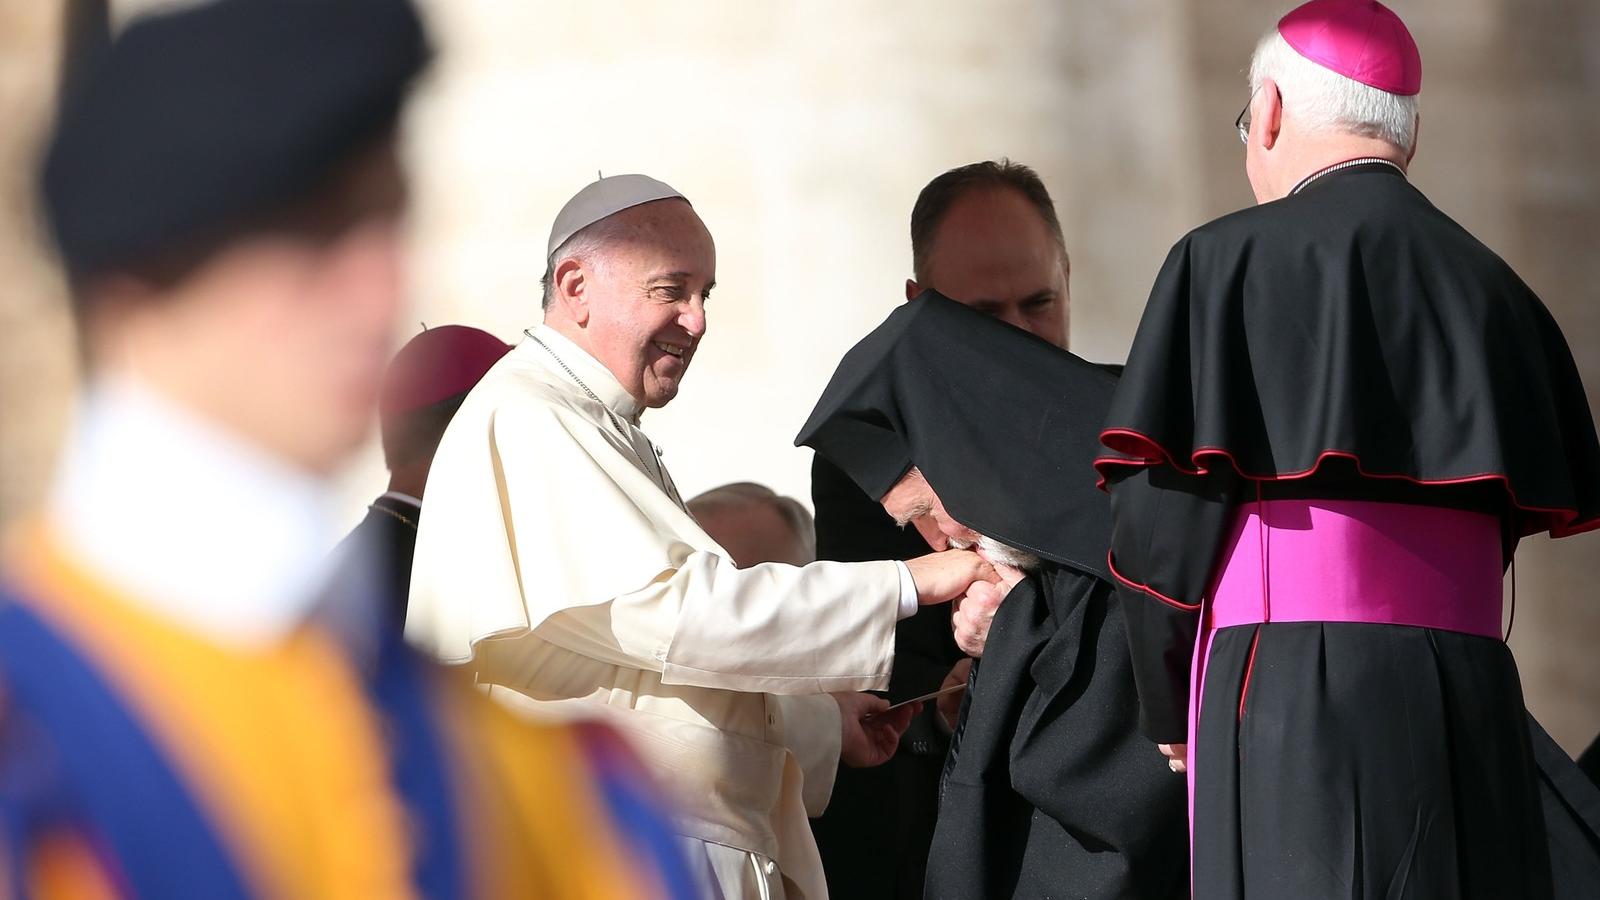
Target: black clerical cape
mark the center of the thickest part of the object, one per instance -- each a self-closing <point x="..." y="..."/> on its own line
<point x="1050" y="790"/>
<point x="1348" y="342"/>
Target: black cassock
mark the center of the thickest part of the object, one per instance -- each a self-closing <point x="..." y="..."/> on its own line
<point x="385" y="541"/>
<point x="1349" y="342"/>
<point x="1050" y="790"/>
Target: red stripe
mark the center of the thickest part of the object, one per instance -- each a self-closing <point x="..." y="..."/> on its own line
<point x="1140" y="451"/>
<point x="1186" y="607"/>
<point x="1249" y="669"/>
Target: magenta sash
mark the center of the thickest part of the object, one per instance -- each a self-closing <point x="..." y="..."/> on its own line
<point x="1350" y="561"/>
<point x="1354" y="561"/>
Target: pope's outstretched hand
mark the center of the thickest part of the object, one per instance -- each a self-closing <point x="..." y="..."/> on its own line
<point x="947" y="575"/>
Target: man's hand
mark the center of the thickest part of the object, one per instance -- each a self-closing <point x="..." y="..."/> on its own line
<point x="946" y="575"/>
<point x="1177" y="756"/>
<point x="972" y="616"/>
<point x="976" y="610"/>
<point x="949" y="705"/>
<point x="868" y="742"/>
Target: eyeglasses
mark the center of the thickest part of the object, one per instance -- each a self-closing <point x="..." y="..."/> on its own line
<point x="1242" y="124"/>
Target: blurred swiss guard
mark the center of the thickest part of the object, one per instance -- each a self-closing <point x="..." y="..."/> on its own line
<point x="422" y="390"/>
<point x="191" y="705"/>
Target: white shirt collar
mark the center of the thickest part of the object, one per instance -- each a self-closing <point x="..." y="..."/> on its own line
<point x="189" y="521"/>
<point x="401" y="496"/>
<point x="590" y="370"/>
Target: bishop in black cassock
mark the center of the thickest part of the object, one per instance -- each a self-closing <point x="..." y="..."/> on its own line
<point x="422" y="389"/>
<point x="1049" y="790"/>
<point x="1340" y="414"/>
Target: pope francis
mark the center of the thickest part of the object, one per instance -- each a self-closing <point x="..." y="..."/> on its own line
<point x="557" y="560"/>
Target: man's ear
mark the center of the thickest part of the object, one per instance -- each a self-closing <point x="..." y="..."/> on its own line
<point x="1269" y="114"/>
<point x="1416" y="135"/>
<point x="571" y="289"/>
<point x="912" y="290"/>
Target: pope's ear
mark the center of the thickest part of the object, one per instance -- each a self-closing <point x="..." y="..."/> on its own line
<point x="571" y="287"/>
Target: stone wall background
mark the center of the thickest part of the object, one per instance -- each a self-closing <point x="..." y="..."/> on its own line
<point x="802" y="131"/>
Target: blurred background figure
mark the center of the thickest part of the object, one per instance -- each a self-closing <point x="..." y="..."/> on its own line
<point x="422" y="389"/>
<point x="756" y="524"/>
<point x="194" y="705"/>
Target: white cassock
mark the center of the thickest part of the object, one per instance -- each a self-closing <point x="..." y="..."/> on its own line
<point x="558" y="559"/>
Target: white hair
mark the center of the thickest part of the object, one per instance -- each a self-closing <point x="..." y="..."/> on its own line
<point x="1323" y="100"/>
<point x="1004" y="554"/>
<point x="586" y="244"/>
<point x="1008" y="555"/>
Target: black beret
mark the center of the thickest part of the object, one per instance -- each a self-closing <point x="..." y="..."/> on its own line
<point x="190" y="121"/>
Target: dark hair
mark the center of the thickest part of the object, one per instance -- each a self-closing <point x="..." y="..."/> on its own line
<point x="316" y="214"/>
<point x="415" y="434"/>
<point x="942" y="193"/>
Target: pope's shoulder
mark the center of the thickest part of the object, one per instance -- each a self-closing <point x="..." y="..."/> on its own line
<point x="518" y="386"/>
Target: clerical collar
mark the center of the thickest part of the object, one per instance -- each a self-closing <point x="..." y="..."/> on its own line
<point x="190" y="522"/>
<point x="589" y="372"/>
<point x="401" y="497"/>
<point x="1339" y="167"/>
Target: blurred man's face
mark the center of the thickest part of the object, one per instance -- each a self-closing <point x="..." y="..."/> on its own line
<point x="283" y="334"/>
<point x="753" y="533"/>
<point x="643" y="302"/>
<point x="994" y="253"/>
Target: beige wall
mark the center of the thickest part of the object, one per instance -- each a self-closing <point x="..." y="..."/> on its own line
<point x="36" y="359"/>
<point x="802" y="132"/>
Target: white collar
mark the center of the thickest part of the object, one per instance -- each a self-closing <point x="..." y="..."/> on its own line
<point x="590" y="371"/>
<point x="189" y="521"/>
<point x="401" y="496"/>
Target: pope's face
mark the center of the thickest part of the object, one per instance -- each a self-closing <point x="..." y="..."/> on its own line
<point x="912" y="502"/>
<point x="645" y="299"/>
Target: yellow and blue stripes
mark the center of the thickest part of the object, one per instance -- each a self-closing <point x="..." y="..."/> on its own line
<point x="175" y="767"/>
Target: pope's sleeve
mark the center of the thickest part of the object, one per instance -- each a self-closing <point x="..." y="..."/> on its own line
<point x="771" y="628"/>
<point x="1166" y="529"/>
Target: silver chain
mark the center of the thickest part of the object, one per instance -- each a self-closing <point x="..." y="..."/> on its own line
<point x="653" y="471"/>
<point x="1344" y="165"/>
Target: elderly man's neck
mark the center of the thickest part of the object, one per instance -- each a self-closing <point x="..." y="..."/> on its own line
<point x="411" y="478"/>
<point x="1320" y="151"/>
